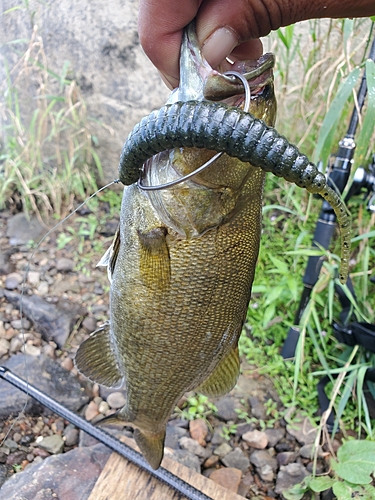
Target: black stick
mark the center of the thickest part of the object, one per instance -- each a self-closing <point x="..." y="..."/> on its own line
<point x="114" y="444"/>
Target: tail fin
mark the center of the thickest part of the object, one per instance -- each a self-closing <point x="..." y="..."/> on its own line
<point x="151" y="446"/>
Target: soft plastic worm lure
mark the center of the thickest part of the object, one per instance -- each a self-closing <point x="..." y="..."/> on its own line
<point x="219" y="127"/>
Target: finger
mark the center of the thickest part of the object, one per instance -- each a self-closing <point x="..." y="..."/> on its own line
<point x="160" y="26"/>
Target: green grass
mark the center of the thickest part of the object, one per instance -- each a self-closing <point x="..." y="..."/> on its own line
<point x="315" y="114"/>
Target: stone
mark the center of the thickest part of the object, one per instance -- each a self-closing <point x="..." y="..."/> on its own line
<point x="303" y="431"/>
<point x="217" y="437"/>
<point x="266" y="473"/>
<point x="173" y="436"/>
<point x="53" y="444"/>
<point x="31" y="350"/>
<point x="245" y="485"/>
<point x="223" y="450"/>
<point x="18" y="324"/>
<point x="91" y="411"/>
<point x="289" y="475"/>
<point x="308" y="450"/>
<point x="4" y="347"/>
<point x="237" y="460"/>
<point x="71" y="435"/>
<point x="256" y="439"/>
<point x="65" y="265"/>
<point x="274" y="436"/>
<point x="12" y="445"/>
<point x="21" y="229"/>
<point x="3" y="476"/>
<point x="192" y="446"/>
<point x="286" y="457"/>
<point x="6" y="266"/>
<point x="227" y="477"/>
<point x="33" y="277"/>
<point x="260" y="458"/>
<point x="183" y="457"/>
<point x="67" y="363"/>
<point x="103" y="407"/>
<point x="70" y="475"/>
<point x="48" y="376"/>
<point x="16" y="458"/>
<point x="54" y="322"/>
<point x="198" y="430"/>
<point x="13" y="280"/>
<point x="89" y="324"/>
<point x="257" y="408"/>
<point x="116" y="400"/>
<point x="211" y="461"/>
<point x="226" y="408"/>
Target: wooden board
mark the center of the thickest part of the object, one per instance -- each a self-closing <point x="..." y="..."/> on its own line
<point x="121" y="480"/>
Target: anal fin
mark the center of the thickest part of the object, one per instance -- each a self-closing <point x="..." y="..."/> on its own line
<point x="224" y="377"/>
<point x="95" y="359"/>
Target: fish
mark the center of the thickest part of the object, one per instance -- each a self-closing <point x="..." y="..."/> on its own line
<point x="182" y="262"/>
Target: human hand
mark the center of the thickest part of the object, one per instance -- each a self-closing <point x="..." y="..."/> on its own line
<point x="227" y="27"/>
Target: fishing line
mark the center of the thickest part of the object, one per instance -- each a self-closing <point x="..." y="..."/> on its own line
<point x="23" y="286"/>
<point x="203" y="167"/>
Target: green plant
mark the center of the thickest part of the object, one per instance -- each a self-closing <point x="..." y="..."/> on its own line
<point x="196" y="406"/>
<point x="47" y="162"/>
<point x="228" y="431"/>
<point x="352" y="475"/>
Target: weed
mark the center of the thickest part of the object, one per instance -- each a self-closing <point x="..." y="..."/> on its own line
<point x="351" y="475"/>
<point x="228" y="431"/>
<point x="196" y="406"/>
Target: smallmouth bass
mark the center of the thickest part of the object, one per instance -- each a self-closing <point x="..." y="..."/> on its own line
<point x="182" y="262"/>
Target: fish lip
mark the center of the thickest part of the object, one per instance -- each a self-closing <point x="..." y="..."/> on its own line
<point x="258" y="74"/>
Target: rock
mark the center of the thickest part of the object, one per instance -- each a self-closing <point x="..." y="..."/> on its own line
<point x="85" y="440"/>
<point x="245" y="485"/>
<point x="237" y="460"/>
<point x="266" y="473"/>
<point x="116" y="400"/>
<point x="184" y="457"/>
<point x="6" y="266"/>
<point x="71" y="435"/>
<point x="192" y="446"/>
<point x="286" y="457"/>
<point x="211" y="461"/>
<point x="13" y="280"/>
<point x="223" y="450"/>
<point x="274" y="436"/>
<point x="16" y="458"/>
<point x="3" y="476"/>
<point x="199" y="430"/>
<point x="303" y="431"/>
<point x="67" y="363"/>
<point x="91" y="411"/>
<point x="54" y="322"/>
<point x="103" y="407"/>
<point x="256" y="439"/>
<point x="89" y="324"/>
<point x="4" y="347"/>
<point x="18" y="324"/>
<point x="257" y="408"/>
<point x="225" y="408"/>
<point x="227" y="477"/>
<point x="53" y="444"/>
<point x="33" y="277"/>
<point x="21" y="229"/>
<point x="288" y="476"/>
<point x="12" y="445"/>
<point x="31" y="350"/>
<point x="260" y="458"/>
<point x="70" y="475"/>
<point x="65" y="265"/>
<point x="48" y="376"/>
<point x="173" y="435"/>
<point x="217" y="437"/>
<point x="308" y="450"/>
<point x="43" y="288"/>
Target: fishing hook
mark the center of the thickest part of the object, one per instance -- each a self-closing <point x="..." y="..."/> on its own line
<point x="214" y="158"/>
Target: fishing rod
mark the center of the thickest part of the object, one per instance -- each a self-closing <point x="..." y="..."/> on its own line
<point x="326" y="225"/>
<point x="164" y="475"/>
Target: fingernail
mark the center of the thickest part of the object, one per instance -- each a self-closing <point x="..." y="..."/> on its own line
<point x="219" y="45"/>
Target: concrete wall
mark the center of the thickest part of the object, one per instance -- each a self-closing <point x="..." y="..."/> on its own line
<point x="100" y="42"/>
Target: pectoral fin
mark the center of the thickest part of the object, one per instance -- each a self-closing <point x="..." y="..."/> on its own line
<point x="224" y="377"/>
<point x="154" y="259"/>
<point x="110" y="256"/>
<point x="95" y="359"/>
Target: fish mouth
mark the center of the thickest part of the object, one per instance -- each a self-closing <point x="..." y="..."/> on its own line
<point x="258" y="73"/>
